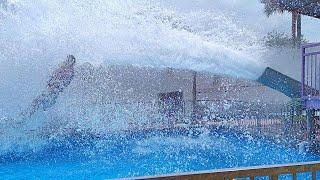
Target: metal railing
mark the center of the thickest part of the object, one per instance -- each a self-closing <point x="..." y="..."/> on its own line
<point x="271" y="171"/>
<point x="275" y="121"/>
<point x="310" y="75"/>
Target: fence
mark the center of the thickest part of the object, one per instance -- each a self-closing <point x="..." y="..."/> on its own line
<point x="273" y="172"/>
<point x="270" y="120"/>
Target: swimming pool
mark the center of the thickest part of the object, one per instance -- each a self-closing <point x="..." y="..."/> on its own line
<point x="145" y="154"/>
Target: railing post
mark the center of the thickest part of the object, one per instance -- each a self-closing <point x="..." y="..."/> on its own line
<point x="310" y="124"/>
<point x="274" y="177"/>
<point x="303" y="50"/>
<point x="194" y="97"/>
<point x="287" y="119"/>
<point x="314" y="175"/>
<point x="294" y="176"/>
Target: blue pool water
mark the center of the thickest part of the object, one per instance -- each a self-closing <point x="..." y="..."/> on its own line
<point x="148" y="153"/>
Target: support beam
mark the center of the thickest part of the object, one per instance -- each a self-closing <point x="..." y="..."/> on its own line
<point x="310" y="124"/>
<point x="299" y="31"/>
<point x="294" y="27"/>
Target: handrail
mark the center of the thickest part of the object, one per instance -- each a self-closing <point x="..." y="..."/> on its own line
<point x="310" y="72"/>
<point x="311" y="53"/>
<point x="273" y="171"/>
<point x="309" y="45"/>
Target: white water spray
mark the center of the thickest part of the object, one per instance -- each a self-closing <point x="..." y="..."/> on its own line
<point x="36" y="35"/>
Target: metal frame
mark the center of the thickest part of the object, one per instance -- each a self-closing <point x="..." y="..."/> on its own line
<point x="310" y="76"/>
<point x="272" y="171"/>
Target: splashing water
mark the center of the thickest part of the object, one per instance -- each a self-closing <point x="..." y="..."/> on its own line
<point x="36" y="35"/>
<point x="130" y="32"/>
<point x="39" y="34"/>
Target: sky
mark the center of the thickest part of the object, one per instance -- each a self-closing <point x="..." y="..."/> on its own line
<point x="251" y="14"/>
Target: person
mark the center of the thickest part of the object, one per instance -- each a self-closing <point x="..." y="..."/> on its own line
<point x="59" y="80"/>
<point x="62" y="77"/>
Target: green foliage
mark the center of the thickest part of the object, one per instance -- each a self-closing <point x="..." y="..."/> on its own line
<point x="280" y="39"/>
<point x="295" y="103"/>
<point x="277" y="39"/>
<point x="299" y="118"/>
<point x="296" y="106"/>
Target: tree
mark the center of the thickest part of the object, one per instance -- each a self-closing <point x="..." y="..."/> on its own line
<point x="4" y="4"/>
<point x="297" y="8"/>
<point x="304" y="7"/>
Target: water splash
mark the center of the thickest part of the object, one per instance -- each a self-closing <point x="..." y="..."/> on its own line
<point x="35" y="36"/>
<point x="129" y="32"/>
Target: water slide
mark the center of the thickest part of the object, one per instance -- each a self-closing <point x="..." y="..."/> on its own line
<point x="280" y="82"/>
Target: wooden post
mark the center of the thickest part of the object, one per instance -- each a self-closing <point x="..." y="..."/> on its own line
<point x="294" y="27"/>
<point x="288" y="119"/>
<point x="299" y="31"/>
<point x="274" y="177"/>
<point x="194" y="96"/>
<point x="294" y="176"/>
<point x="314" y="175"/>
<point x="310" y="124"/>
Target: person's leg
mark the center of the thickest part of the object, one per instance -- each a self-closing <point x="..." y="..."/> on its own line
<point x="58" y="82"/>
<point x="50" y="100"/>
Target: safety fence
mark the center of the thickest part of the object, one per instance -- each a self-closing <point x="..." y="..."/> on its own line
<point x="273" y="172"/>
<point x="310" y="93"/>
<point x="270" y="120"/>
